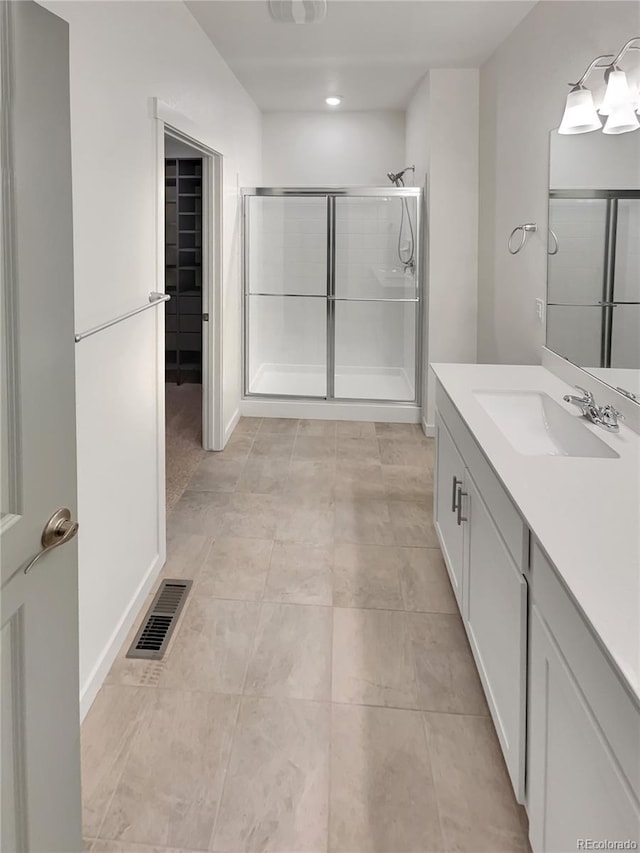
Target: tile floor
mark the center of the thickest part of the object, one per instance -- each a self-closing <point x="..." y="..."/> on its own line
<point x="183" y="437"/>
<point x="319" y="693"/>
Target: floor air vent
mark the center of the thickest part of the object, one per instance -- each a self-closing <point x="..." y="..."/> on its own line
<point x="158" y="625"/>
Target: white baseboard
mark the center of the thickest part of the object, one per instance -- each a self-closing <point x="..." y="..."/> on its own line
<point x="428" y="429"/>
<point x="89" y="690"/>
<point x="233" y="422"/>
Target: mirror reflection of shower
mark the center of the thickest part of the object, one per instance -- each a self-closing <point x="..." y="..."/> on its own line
<point x="406" y="253"/>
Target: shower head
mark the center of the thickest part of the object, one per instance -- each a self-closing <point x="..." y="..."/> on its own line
<point x="397" y="177"/>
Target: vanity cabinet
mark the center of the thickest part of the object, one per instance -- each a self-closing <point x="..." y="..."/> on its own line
<point x="449" y="477"/>
<point x="567" y="721"/>
<point x="475" y="520"/>
<point x="584" y="729"/>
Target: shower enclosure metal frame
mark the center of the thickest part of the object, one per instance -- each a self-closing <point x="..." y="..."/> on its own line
<point x="331" y="193"/>
<point x="609" y="302"/>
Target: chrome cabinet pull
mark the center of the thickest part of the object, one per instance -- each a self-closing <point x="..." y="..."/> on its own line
<point x="456" y="483"/>
<point x="58" y="530"/>
<point x="461" y="495"/>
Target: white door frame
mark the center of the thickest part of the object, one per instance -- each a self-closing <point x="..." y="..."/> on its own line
<point x="181" y="128"/>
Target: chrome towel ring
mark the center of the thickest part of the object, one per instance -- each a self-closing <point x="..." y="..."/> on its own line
<point x="554" y="237"/>
<point x="526" y="229"/>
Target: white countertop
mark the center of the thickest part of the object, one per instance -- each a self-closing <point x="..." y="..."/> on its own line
<point x="585" y="512"/>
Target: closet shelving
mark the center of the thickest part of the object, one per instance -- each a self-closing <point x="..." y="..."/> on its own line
<point x="183" y="269"/>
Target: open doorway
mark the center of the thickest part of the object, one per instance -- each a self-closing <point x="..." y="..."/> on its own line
<point x="190" y="177"/>
<point x="184" y="315"/>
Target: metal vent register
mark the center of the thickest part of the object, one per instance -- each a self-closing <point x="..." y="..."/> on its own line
<point x="162" y="617"/>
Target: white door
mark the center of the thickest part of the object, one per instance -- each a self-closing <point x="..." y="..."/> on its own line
<point x="41" y="807"/>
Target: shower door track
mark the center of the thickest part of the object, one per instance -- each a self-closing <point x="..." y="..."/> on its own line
<point x="331" y="193"/>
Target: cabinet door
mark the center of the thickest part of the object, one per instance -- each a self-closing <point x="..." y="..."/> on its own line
<point x="575" y="788"/>
<point x="496" y="619"/>
<point x="448" y="482"/>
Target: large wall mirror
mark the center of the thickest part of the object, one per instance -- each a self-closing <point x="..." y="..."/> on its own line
<point x="593" y="280"/>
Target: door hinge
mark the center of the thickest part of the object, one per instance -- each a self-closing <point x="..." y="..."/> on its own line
<point x="205" y="317"/>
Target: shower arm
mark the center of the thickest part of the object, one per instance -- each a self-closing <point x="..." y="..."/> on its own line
<point x="397" y="177"/>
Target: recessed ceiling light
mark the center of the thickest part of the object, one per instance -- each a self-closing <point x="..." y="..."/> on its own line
<point x="333" y="100"/>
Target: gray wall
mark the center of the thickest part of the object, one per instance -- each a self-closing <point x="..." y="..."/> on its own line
<point x="522" y="91"/>
<point x="332" y="148"/>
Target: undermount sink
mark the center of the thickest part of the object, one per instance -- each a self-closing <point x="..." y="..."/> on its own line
<point x="538" y="426"/>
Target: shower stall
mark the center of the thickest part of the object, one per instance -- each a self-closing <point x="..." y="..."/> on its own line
<point x="333" y="297"/>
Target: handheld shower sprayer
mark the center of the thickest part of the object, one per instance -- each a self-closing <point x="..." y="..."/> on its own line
<point x="407" y="260"/>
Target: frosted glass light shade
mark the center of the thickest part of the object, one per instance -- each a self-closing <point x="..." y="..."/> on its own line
<point x="623" y="120"/>
<point x="580" y="114"/>
<point x="618" y="94"/>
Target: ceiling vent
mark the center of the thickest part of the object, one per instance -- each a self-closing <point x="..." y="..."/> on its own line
<point x="298" y="11"/>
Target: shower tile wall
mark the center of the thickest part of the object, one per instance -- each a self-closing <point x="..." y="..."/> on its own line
<point x="288" y="245"/>
<point x="366" y="239"/>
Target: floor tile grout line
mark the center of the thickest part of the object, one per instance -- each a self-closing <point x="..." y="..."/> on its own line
<point x="436" y="785"/>
<point x="330" y="756"/>
<point x="134" y="737"/>
<point x="337" y="703"/>
<point x="223" y="783"/>
<point x="414" y="664"/>
<point x="241" y="698"/>
<point x="252" y="647"/>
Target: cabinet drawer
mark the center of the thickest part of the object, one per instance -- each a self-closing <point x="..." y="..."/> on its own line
<point x="507" y="518"/>
<point x="616" y="712"/>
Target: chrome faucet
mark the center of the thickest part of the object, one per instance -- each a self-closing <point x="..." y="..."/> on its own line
<point x="583" y="402"/>
<point x="604" y="416"/>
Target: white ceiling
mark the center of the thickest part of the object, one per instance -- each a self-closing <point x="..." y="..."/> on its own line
<point x="373" y="52"/>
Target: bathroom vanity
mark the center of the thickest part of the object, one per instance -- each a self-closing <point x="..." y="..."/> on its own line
<point x="536" y="511"/>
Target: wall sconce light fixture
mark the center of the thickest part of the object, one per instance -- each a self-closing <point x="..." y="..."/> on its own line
<point x="620" y="103"/>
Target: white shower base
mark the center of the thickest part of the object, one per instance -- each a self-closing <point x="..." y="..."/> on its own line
<point x="361" y="383"/>
<point x="351" y="383"/>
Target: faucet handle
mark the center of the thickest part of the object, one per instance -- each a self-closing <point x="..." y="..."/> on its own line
<point x="610" y="417"/>
<point x="612" y="412"/>
<point x="588" y="396"/>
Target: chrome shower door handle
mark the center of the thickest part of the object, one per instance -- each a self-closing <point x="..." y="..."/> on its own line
<point x="57" y="531"/>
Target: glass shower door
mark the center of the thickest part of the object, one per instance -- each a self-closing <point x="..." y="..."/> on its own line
<point x="286" y="296"/>
<point x="375" y="298"/>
